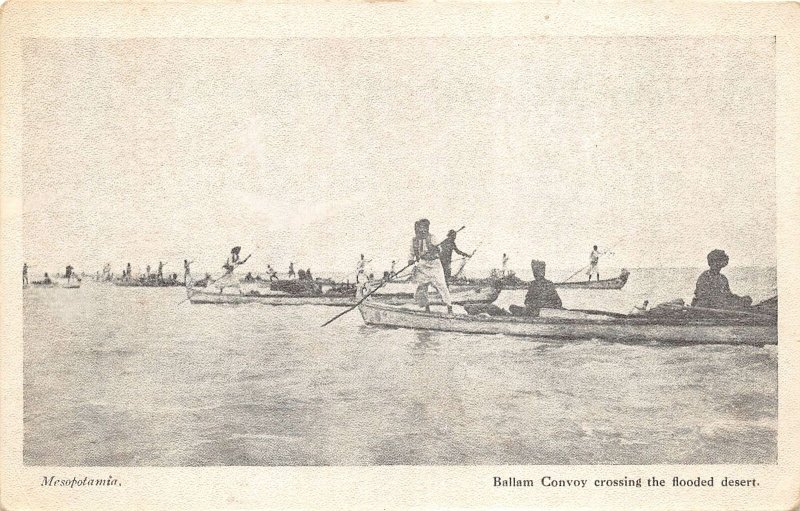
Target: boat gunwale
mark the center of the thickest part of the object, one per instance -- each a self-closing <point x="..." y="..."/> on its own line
<point x="627" y="320"/>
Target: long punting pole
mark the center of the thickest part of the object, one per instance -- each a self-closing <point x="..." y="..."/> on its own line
<point x="383" y="283"/>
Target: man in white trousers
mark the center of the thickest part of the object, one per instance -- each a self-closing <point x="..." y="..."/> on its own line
<point x="428" y="268"/>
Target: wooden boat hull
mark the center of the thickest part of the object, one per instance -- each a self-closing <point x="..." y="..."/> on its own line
<point x="64" y="285"/>
<point x="628" y="329"/>
<point x="609" y="284"/>
<point x="203" y="297"/>
<point x="403" y="292"/>
<point x="137" y="283"/>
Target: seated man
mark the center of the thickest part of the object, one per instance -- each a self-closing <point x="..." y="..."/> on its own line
<point x="542" y="294"/>
<point x="712" y="290"/>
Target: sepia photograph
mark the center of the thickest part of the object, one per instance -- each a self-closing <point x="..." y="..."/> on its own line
<point x="372" y="247"/>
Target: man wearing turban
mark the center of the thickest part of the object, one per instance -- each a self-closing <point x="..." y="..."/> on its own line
<point x="428" y="268"/>
<point x="712" y="290"/>
<point x="541" y="294"/>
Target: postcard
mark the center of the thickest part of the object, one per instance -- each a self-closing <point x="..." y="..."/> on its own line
<point x="382" y="255"/>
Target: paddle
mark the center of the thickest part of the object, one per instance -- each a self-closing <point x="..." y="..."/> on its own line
<point x="383" y="283"/>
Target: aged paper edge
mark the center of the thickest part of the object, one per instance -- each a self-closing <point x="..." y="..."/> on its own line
<point x="403" y="486"/>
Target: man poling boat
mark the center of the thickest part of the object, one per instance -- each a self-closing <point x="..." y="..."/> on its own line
<point x="425" y="255"/>
<point x="226" y="279"/>
<point x="384" y="282"/>
<point x="464" y="262"/>
<point x="594" y="260"/>
<point x="233" y="262"/>
<point x="446" y="248"/>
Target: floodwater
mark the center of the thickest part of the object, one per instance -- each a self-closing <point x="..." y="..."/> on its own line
<point x="129" y="377"/>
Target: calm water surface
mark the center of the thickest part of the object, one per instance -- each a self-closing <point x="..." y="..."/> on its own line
<point x="127" y="376"/>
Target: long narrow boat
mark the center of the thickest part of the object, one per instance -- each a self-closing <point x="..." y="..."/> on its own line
<point x="402" y="292"/>
<point x="199" y="296"/>
<point x="398" y="293"/>
<point x="753" y="329"/>
<point x="62" y="283"/>
<point x="615" y="283"/>
<point x="148" y="283"/>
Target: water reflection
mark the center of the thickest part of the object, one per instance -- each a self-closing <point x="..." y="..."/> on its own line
<point x="426" y="341"/>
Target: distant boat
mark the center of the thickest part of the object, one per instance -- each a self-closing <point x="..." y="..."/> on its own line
<point x="460" y="294"/>
<point x="297" y="292"/>
<point x="715" y="327"/>
<point x="148" y="283"/>
<point x="199" y="296"/>
<point x="62" y="283"/>
<point x="615" y="283"/>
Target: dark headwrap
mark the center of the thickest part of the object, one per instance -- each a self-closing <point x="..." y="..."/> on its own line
<point x="717" y="256"/>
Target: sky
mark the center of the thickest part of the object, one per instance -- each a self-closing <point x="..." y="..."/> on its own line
<point x="317" y="150"/>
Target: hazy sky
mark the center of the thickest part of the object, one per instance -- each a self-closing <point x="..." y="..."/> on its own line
<point x="315" y="150"/>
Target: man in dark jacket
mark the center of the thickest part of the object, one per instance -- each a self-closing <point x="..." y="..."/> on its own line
<point x="446" y="249"/>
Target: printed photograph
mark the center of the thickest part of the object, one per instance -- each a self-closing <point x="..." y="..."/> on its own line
<point x="374" y="251"/>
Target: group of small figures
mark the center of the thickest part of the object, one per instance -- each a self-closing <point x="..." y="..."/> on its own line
<point x="69" y="274"/>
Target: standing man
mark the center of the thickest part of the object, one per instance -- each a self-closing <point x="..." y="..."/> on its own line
<point x="227" y="279"/>
<point x="68" y="272"/>
<point x="392" y="272"/>
<point x="160" y="271"/>
<point x="187" y="274"/>
<point x="361" y="269"/>
<point x="594" y="259"/>
<point x="447" y="247"/>
<point x="505" y="265"/>
<point x="291" y="270"/>
<point x="24" y="274"/>
<point x="128" y="272"/>
<point x="147" y="269"/>
<point x="233" y="261"/>
<point x="428" y="269"/>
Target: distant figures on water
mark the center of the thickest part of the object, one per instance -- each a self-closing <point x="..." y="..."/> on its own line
<point x="712" y="290"/>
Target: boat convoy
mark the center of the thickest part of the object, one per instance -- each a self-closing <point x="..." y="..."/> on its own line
<point x="400" y="300"/>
